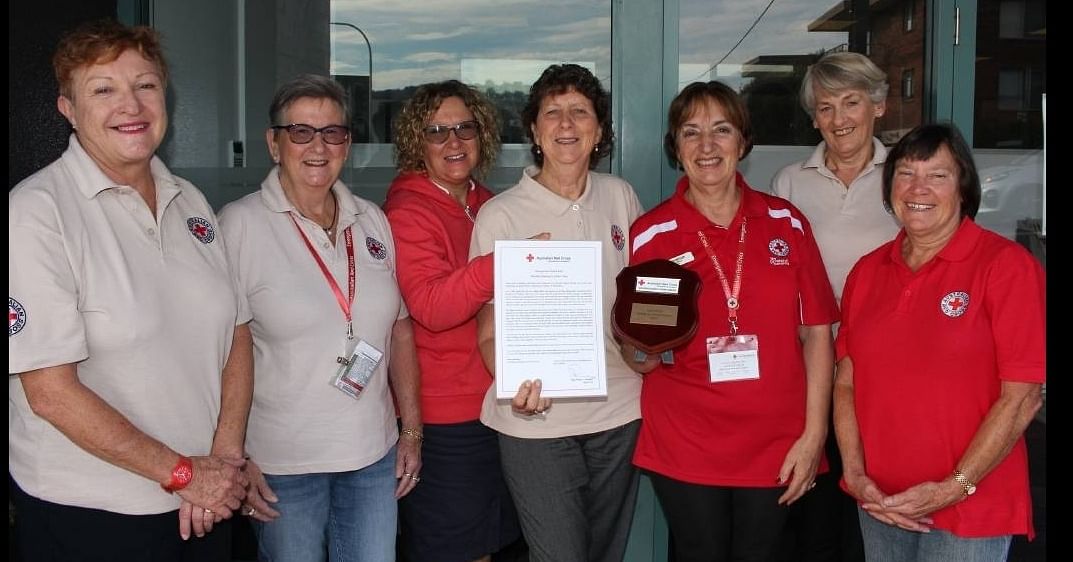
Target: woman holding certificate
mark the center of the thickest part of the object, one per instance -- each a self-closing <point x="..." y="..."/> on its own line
<point x="568" y="465"/>
<point x="735" y="425"/>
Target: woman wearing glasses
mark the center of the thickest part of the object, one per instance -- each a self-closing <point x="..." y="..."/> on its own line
<point x="568" y="466"/>
<point x="316" y="267"/>
<point x="446" y="136"/>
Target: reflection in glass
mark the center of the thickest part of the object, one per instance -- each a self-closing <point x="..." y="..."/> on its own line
<point x="762" y="49"/>
<point x="500" y="51"/>
<point x="1011" y="73"/>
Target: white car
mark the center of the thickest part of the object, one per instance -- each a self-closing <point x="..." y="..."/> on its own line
<point x="1011" y="192"/>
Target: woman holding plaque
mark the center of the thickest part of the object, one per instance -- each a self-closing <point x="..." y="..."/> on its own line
<point x="567" y="466"/>
<point x="735" y="425"/>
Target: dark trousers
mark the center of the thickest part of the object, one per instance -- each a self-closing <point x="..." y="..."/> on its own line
<point x="50" y="532"/>
<point x="823" y="523"/>
<point x="575" y="495"/>
<point x="719" y="523"/>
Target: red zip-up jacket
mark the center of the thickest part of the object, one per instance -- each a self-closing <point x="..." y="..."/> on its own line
<point x="443" y="291"/>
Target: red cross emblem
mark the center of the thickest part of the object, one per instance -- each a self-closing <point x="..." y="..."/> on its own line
<point x="201" y="229"/>
<point x="955" y="303"/>
<point x="530" y="258"/>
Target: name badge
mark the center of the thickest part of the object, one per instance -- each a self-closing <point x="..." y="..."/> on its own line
<point x="733" y="358"/>
<point x="354" y="372"/>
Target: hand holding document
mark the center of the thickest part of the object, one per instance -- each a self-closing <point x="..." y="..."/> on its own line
<point x="549" y="317"/>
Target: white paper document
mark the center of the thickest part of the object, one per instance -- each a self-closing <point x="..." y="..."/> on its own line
<point x="549" y="314"/>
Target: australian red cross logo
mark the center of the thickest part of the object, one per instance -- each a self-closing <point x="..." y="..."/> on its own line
<point x="779" y="247"/>
<point x="201" y="229"/>
<point x="530" y="258"/>
<point x="617" y="237"/>
<point x="376" y="248"/>
<point x="955" y="303"/>
<point x="16" y="317"/>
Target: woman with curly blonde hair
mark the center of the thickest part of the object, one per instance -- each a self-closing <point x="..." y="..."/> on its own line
<point x="447" y="136"/>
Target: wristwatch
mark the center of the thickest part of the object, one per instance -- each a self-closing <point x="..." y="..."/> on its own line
<point x="181" y="475"/>
<point x="968" y="487"/>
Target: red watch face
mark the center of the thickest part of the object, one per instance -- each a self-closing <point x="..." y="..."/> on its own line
<point x="183" y="474"/>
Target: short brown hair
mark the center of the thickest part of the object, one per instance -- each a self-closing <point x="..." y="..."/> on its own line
<point x="412" y="120"/>
<point x="559" y="79"/>
<point x="103" y="41"/>
<point x="687" y="101"/>
<point x="921" y="144"/>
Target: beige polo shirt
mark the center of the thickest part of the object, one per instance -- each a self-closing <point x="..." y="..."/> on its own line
<point x="847" y="222"/>
<point x="299" y="423"/>
<point x="604" y="212"/>
<point x="143" y="305"/>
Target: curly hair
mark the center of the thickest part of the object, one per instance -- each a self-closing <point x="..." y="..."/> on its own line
<point x="694" y="95"/>
<point x="414" y="117"/>
<point x="559" y="79"/>
<point x="101" y="42"/>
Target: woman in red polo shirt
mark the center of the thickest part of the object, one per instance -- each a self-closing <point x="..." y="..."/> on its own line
<point x="731" y="436"/>
<point x="941" y="358"/>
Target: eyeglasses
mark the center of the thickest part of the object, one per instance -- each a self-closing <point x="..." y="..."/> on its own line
<point x="438" y="134"/>
<point x="300" y="133"/>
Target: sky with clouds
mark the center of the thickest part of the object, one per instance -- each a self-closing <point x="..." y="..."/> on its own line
<point x="417" y="41"/>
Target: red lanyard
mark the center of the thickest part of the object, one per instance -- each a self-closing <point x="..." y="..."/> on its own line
<point x="352" y="274"/>
<point x="731" y="295"/>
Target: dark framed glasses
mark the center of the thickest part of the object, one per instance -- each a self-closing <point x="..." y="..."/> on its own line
<point x="300" y="133"/>
<point x="438" y="134"/>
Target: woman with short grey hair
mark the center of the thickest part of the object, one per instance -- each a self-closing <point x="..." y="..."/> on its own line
<point x="839" y="188"/>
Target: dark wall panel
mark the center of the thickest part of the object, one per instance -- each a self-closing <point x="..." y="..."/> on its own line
<point x="36" y="132"/>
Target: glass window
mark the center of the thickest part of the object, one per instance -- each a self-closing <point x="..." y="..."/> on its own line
<point x="907" y="84"/>
<point x="1011" y="78"/>
<point x="762" y="49"/>
<point x="1011" y="75"/>
<point x="500" y="51"/>
<point x="908" y="12"/>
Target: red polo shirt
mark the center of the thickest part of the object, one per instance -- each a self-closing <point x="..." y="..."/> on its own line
<point x="733" y="433"/>
<point x="930" y="350"/>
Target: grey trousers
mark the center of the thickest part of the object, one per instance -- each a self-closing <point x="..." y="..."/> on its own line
<point x="575" y="495"/>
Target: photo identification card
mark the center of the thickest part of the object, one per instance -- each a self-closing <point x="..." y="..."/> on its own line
<point x="733" y="358"/>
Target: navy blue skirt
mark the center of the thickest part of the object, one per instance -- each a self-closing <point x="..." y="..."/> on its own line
<point x="461" y="510"/>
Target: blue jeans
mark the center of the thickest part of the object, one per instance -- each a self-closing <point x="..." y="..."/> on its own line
<point x="885" y="543"/>
<point x="337" y="516"/>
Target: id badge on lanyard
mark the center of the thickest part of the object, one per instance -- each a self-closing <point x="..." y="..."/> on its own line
<point x="737" y="356"/>
<point x="733" y="358"/>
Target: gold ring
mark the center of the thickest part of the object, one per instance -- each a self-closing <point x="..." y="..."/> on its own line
<point x="251" y="511"/>
<point x="415" y="478"/>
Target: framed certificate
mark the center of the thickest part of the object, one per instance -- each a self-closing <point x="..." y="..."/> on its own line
<point x="549" y="317"/>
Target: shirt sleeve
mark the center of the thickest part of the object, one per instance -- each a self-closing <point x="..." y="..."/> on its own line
<point x="439" y="295"/>
<point x="845" y="329"/>
<point x="45" y="326"/>
<point x="1015" y="300"/>
<point x="817" y="298"/>
<point x="234" y="232"/>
